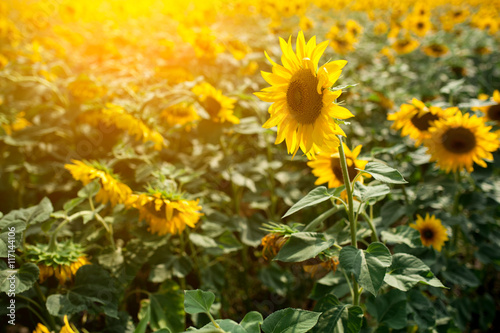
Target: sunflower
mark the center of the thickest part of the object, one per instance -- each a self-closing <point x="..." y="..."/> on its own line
<point x="432" y="232"/>
<point x="419" y="24"/>
<point x="112" y="189"/>
<point x="272" y="244"/>
<point x="166" y="213"/>
<point x="18" y="124"/>
<point x="303" y="106"/>
<point x="415" y="119"/>
<point x="316" y="266"/>
<point x="40" y="328"/>
<point x="115" y="115"/>
<point x="380" y="28"/>
<point x="491" y="112"/>
<point x="85" y="89"/>
<point x="182" y="114"/>
<point x="328" y="169"/>
<point x="354" y="28"/>
<point x="63" y="262"/>
<point x="343" y="43"/>
<point x="405" y="45"/>
<point x="219" y="107"/>
<point x="435" y="50"/>
<point x="457" y="142"/>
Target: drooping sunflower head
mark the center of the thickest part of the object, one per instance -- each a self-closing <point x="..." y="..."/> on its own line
<point x="303" y="106"/>
<point x="166" y="213"/>
<point x="415" y="119"/>
<point x="62" y="262"/>
<point x="272" y="244"/>
<point x="328" y="169"/>
<point x="220" y="108"/>
<point x="318" y="267"/>
<point x="456" y="143"/>
<point x="432" y="232"/>
<point x="112" y="190"/>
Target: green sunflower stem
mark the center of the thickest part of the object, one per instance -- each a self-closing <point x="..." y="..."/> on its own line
<point x="41" y="296"/>
<point x="53" y="237"/>
<point x="350" y="213"/>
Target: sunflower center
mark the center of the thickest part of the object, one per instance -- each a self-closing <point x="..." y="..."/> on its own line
<point x="403" y="42"/>
<point x="423" y="122"/>
<point x="420" y="25"/>
<point x="437" y="48"/>
<point x="337" y="170"/>
<point x="302" y="97"/>
<point x="494" y="112"/>
<point x="427" y="233"/>
<point x="459" y="140"/>
<point x="212" y="106"/>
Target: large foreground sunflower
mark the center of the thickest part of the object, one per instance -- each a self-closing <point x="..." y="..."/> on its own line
<point x="166" y="213"/>
<point x="328" y="169"/>
<point x="40" y="328"/>
<point x="303" y="106"/>
<point x="457" y="142"/>
<point x="415" y="119"/>
<point x="432" y="232"/>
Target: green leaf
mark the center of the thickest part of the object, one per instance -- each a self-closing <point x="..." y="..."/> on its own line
<point x="71" y="204"/>
<point x="17" y="221"/>
<point x="422" y="309"/>
<point x="337" y="317"/>
<point x="22" y="278"/>
<point x="252" y="321"/>
<point x="407" y="270"/>
<point x="389" y="309"/>
<point x="368" y="266"/>
<point x="384" y="173"/>
<point x="178" y="266"/>
<point x="403" y="234"/>
<point x="370" y="193"/>
<point x="198" y="301"/>
<point x="290" y="321"/>
<point x="316" y="196"/>
<point x="167" y="308"/>
<point x="94" y="291"/>
<point x="302" y="246"/>
<point x="144" y="317"/>
<point x="459" y="274"/>
<point x="89" y="190"/>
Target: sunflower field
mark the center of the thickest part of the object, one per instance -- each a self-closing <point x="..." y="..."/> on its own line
<point x="249" y="166"/>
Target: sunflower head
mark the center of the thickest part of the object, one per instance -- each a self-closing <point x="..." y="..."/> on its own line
<point x="62" y="262"/>
<point x="220" y="108"/>
<point x="416" y="118"/>
<point x="182" y="114"/>
<point x="303" y="106"/>
<point x="166" y="213"/>
<point x="456" y="143"/>
<point x="112" y="190"/>
<point x="272" y="244"/>
<point x="432" y="232"/>
<point x="490" y="112"/>
<point x="435" y="50"/>
<point x="328" y="169"/>
<point x="405" y="45"/>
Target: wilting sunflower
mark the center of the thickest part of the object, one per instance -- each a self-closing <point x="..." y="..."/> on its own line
<point x="459" y="141"/>
<point x="219" y="107"/>
<point x="182" y="114"/>
<point x="491" y="112"/>
<point x="112" y="189"/>
<point x="327" y="167"/>
<point x="415" y="119"/>
<point x="272" y="244"/>
<point x="316" y="266"/>
<point x="166" y="213"/>
<point x="62" y="262"/>
<point x="435" y="50"/>
<point x="405" y="45"/>
<point x="303" y="106"/>
<point x="432" y="232"/>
